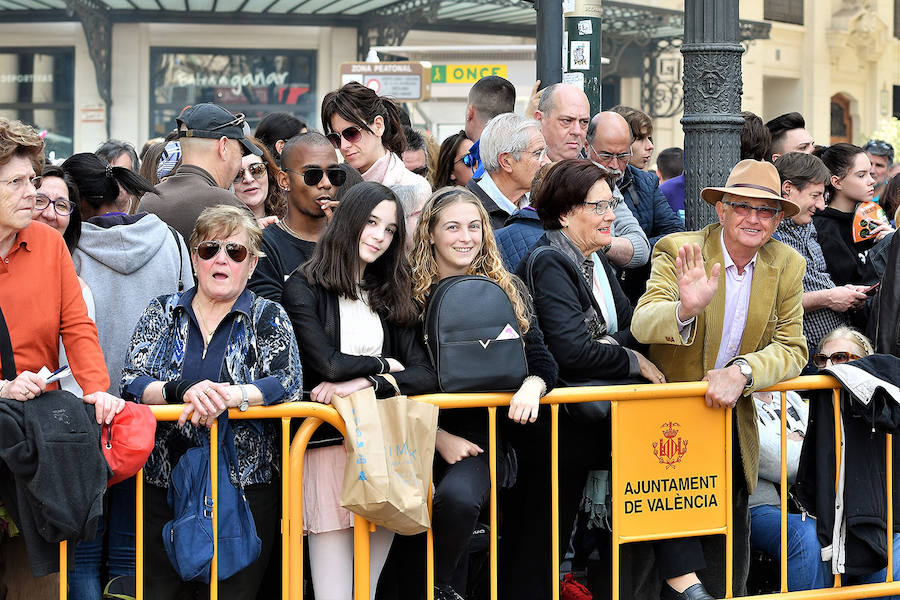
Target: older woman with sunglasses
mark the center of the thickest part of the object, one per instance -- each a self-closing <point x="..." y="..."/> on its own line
<point x="368" y="132"/>
<point x="256" y="184"/>
<point x="214" y="347"/>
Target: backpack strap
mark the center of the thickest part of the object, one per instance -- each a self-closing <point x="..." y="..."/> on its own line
<point x="180" y="259"/>
<point x="7" y="359"/>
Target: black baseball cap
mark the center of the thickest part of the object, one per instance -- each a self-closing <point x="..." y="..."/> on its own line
<point x="211" y="121"/>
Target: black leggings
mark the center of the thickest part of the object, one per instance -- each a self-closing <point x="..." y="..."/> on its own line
<point x="462" y="490"/>
<point x="161" y="581"/>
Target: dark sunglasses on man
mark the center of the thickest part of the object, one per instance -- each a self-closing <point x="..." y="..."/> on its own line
<point x="313" y="175"/>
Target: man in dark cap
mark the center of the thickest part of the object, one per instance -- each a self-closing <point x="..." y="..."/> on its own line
<point x="213" y="141"/>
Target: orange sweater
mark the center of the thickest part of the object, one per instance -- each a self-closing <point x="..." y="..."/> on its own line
<point x="41" y="300"/>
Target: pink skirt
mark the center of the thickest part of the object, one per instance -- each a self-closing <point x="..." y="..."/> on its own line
<point x="323" y="477"/>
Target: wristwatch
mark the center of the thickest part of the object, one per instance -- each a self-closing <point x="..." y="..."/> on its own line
<point x="746" y="370"/>
<point x="245" y="401"/>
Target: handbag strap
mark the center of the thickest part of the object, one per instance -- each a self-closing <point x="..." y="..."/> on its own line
<point x="180" y="259"/>
<point x="7" y="359"/>
<point x="227" y="451"/>
<point x="390" y="379"/>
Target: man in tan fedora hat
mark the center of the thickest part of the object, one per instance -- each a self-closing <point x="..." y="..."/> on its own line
<point x="698" y="318"/>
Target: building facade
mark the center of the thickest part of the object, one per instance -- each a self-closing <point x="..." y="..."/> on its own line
<point x="125" y="70"/>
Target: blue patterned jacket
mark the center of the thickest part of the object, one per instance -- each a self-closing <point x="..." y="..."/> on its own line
<point x="257" y="346"/>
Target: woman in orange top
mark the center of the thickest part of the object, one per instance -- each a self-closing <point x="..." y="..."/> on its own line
<point x="39" y="292"/>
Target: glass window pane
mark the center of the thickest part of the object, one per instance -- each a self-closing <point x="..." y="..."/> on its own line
<point x="253" y="82"/>
<point x="38" y="87"/>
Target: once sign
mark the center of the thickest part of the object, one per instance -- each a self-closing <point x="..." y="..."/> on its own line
<point x="669" y="467"/>
<point x="464" y="73"/>
<point x="403" y="81"/>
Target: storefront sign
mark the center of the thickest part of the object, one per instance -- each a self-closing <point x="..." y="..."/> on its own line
<point x="404" y="81"/>
<point x="464" y="73"/>
<point x="26" y="77"/>
<point x="669" y="463"/>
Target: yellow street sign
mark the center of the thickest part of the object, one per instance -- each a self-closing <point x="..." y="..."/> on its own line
<point x="464" y="73"/>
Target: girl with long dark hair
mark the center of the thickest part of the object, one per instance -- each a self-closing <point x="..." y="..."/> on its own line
<point x="352" y="311"/>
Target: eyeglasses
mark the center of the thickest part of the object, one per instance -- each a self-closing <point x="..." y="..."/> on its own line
<point x="608" y="157"/>
<point x="603" y="206"/>
<point x="257" y="170"/>
<point x="19" y="182"/>
<point x="837" y="358"/>
<point x="540" y="154"/>
<point x="352" y="134"/>
<point x="313" y="175"/>
<point x="743" y="209"/>
<point x="210" y="249"/>
<point x="62" y="207"/>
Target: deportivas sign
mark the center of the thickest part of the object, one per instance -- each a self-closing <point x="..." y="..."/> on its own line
<point x="669" y="467"/>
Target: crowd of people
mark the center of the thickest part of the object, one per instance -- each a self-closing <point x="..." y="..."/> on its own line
<point x="222" y="268"/>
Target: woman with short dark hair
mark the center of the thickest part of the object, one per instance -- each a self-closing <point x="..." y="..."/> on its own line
<point x="585" y="318"/>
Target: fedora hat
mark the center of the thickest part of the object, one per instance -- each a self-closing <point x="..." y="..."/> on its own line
<point x="752" y="179"/>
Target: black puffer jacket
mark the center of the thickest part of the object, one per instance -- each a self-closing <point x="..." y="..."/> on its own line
<point x="884" y="327"/>
<point x="870" y="408"/>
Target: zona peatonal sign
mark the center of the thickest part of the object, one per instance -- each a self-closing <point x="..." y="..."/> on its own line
<point x="403" y="81"/>
<point x="669" y="467"/>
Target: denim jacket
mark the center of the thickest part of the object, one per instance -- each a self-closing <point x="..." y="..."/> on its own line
<point x="256" y="345"/>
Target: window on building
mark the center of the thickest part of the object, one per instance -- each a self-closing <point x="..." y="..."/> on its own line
<point x="784" y="11"/>
<point x="841" y="122"/>
<point x="253" y="82"/>
<point x="37" y="86"/>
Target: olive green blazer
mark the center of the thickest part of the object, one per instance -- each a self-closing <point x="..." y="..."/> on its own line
<point x="773" y="342"/>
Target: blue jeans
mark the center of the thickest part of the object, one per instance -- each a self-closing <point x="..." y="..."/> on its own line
<point x="117" y="526"/>
<point x="806" y="570"/>
<point x="873" y="577"/>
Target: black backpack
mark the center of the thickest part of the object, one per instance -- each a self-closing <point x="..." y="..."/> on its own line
<point x="465" y="317"/>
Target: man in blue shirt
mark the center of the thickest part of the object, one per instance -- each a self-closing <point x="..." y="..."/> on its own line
<point x="489" y="97"/>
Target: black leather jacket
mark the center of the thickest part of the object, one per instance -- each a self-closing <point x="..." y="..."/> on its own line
<point x="315" y="315"/>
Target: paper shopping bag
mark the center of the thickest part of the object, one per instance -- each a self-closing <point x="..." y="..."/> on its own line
<point x="390" y="450"/>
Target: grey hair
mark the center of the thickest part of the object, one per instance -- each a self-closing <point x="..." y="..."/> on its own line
<point x="505" y="133"/>
<point x="411" y="196"/>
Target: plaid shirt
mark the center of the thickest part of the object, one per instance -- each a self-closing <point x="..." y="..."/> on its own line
<point x="802" y="238"/>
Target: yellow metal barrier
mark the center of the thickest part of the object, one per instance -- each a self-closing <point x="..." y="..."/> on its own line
<point x="680" y="394"/>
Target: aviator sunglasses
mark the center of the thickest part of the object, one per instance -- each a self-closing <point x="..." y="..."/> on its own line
<point x="257" y="170"/>
<point x="313" y="175"/>
<point x="210" y="249"/>
<point x="352" y="134"/>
